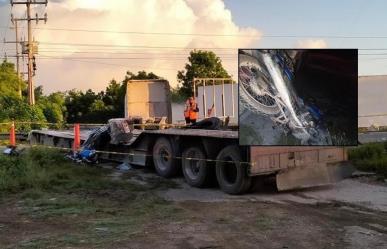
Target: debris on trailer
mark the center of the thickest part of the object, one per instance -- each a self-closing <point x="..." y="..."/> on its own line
<point x="120" y="130"/>
<point x="212" y="123"/>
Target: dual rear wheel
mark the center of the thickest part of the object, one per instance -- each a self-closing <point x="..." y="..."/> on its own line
<point x="231" y="174"/>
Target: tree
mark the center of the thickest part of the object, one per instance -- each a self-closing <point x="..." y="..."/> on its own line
<point x="78" y="104"/>
<point x="15" y="109"/>
<point x="114" y="97"/>
<point x="38" y="92"/>
<point x="52" y="106"/>
<point x="12" y="107"/>
<point x="203" y="64"/>
<point x="9" y="81"/>
<point x="141" y="75"/>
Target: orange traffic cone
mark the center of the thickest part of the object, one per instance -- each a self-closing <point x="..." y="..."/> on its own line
<point x="12" y="137"/>
<point x="77" y="138"/>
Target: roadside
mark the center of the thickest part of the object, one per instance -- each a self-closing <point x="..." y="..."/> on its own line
<point x="75" y="206"/>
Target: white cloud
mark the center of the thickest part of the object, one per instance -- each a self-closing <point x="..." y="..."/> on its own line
<point x="172" y="16"/>
<point x="311" y="43"/>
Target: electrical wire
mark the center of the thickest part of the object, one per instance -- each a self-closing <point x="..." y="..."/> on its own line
<point x="215" y="34"/>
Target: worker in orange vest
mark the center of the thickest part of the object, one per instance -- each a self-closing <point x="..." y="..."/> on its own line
<point x="186" y="112"/>
<point x="191" y="111"/>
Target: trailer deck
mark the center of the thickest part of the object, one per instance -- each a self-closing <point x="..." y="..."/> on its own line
<point x="195" y="149"/>
<point x="65" y="137"/>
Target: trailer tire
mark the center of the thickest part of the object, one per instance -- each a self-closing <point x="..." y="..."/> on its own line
<point x="230" y="173"/>
<point x="164" y="158"/>
<point x="197" y="173"/>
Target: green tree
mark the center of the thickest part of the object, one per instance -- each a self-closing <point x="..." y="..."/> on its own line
<point x="12" y="107"/>
<point x="15" y="109"/>
<point x="114" y="97"/>
<point x="52" y="106"/>
<point x="9" y="81"/>
<point x="78" y="104"/>
<point x="99" y="106"/>
<point x="203" y="64"/>
<point x="91" y="107"/>
<point x="38" y="92"/>
<point x="141" y="75"/>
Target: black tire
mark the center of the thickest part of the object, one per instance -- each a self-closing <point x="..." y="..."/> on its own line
<point x="231" y="174"/>
<point x="164" y="157"/>
<point x="197" y="173"/>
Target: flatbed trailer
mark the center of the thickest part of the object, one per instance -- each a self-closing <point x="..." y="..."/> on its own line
<point x="202" y="154"/>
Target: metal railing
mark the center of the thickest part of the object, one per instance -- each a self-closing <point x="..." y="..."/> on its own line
<point x="215" y="81"/>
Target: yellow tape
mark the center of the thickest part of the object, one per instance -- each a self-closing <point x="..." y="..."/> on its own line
<point x="89" y="124"/>
<point x="133" y="154"/>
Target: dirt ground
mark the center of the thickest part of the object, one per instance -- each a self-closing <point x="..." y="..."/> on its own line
<point x="350" y="214"/>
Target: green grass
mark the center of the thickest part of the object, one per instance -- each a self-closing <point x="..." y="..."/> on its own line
<point x="47" y="169"/>
<point x="370" y="157"/>
<point x="100" y="209"/>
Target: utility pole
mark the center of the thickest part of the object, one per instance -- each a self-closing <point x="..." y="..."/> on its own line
<point x="17" y="54"/>
<point x="31" y="46"/>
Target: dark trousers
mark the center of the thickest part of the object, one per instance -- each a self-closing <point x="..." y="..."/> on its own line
<point x="190" y="121"/>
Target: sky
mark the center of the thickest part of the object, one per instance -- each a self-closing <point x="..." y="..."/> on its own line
<point x="86" y="43"/>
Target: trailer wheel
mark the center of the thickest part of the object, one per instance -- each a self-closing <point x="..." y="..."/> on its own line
<point x="197" y="173"/>
<point x="164" y="157"/>
<point x="231" y="174"/>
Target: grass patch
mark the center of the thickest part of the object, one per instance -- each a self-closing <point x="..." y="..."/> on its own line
<point x="57" y="205"/>
<point x="87" y="206"/>
<point x="47" y="169"/>
<point x="264" y="223"/>
<point x="370" y="157"/>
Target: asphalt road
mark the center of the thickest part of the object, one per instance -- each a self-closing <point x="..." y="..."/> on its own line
<point x="370" y="137"/>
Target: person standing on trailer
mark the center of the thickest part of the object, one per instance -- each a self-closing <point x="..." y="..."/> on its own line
<point x="191" y="111"/>
<point x="186" y="112"/>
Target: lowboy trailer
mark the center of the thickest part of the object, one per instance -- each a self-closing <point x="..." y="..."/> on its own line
<point x="201" y="154"/>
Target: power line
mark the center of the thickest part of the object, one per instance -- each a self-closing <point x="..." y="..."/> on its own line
<point x="119" y="65"/>
<point x="125" y="51"/>
<point x="160" y="47"/>
<point x="151" y="53"/>
<point x="121" y="58"/>
<point x="131" y="46"/>
<point x="216" y="34"/>
<point x="128" y="53"/>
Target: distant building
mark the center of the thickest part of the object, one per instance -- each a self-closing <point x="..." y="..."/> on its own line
<point x="372" y="100"/>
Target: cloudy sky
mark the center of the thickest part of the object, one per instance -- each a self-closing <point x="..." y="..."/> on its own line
<point x="85" y="43"/>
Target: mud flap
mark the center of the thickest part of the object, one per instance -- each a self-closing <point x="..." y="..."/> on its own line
<point x="311" y="176"/>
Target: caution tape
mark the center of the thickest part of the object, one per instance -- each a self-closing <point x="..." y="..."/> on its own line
<point x="91" y="124"/>
<point x="147" y="155"/>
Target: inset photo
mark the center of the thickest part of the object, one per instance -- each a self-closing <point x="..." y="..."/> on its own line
<point x="298" y="97"/>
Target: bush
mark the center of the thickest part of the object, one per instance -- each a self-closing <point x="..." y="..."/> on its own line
<point x="12" y="108"/>
<point x="367" y="151"/>
<point x="370" y="157"/>
<point x="30" y="170"/>
<point x="41" y="168"/>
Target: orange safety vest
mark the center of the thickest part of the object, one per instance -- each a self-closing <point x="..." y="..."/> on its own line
<point x="193" y="114"/>
<point x="186" y="111"/>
